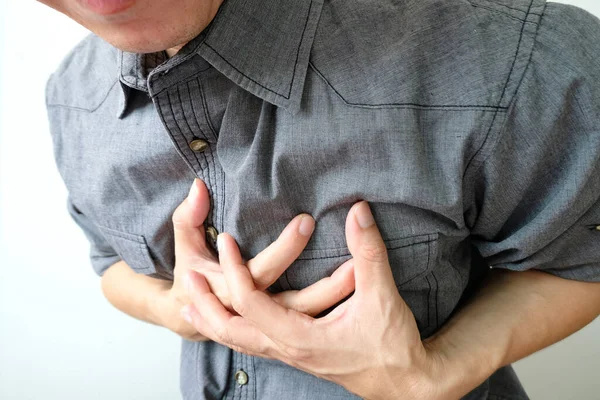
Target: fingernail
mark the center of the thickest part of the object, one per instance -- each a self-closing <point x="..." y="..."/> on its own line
<point x="307" y="226"/>
<point x="185" y="314"/>
<point x="194" y="190"/>
<point x="219" y="243"/>
<point x="363" y="215"/>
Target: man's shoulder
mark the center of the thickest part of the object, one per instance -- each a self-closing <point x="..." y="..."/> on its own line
<point x="85" y="76"/>
<point x="426" y="52"/>
<point x="570" y="37"/>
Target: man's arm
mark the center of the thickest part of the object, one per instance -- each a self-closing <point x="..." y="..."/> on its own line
<point x="514" y="315"/>
<point x="159" y="302"/>
<point x="370" y="344"/>
<point x="147" y="299"/>
<point x="134" y="294"/>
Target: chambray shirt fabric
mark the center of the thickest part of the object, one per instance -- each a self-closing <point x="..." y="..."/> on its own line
<point x="471" y="127"/>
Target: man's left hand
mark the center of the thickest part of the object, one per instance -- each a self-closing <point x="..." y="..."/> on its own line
<point x="369" y="344"/>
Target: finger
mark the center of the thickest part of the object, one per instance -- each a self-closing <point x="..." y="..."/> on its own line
<point x="217" y="285"/>
<point x="337" y="313"/>
<point x="280" y="324"/>
<point x="270" y="263"/>
<point x="217" y="323"/>
<point x="371" y="265"/>
<point x="188" y="220"/>
<point x="321" y="295"/>
<point x="191" y="316"/>
<point x="197" y="320"/>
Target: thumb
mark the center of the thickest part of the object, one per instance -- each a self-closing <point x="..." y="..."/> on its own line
<point x="188" y="220"/>
<point x="371" y="264"/>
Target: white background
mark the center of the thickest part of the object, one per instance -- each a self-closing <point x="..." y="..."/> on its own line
<point x="59" y="338"/>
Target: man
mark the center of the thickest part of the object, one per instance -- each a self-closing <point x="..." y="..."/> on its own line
<point x="471" y="128"/>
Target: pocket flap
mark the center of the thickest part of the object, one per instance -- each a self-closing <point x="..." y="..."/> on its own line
<point x="133" y="249"/>
<point x="410" y="258"/>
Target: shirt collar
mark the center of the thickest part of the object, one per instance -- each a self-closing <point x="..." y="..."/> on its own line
<point x="261" y="45"/>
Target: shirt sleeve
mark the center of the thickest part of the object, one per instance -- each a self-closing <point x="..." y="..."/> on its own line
<point x="102" y="255"/>
<point x="536" y="202"/>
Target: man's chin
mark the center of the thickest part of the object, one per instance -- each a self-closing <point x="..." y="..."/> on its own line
<point x="139" y="43"/>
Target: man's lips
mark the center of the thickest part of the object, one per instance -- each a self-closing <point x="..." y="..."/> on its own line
<point x="106" y="7"/>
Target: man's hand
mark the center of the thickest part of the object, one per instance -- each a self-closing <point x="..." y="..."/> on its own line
<point x="193" y="254"/>
<point x="368" y="343"/>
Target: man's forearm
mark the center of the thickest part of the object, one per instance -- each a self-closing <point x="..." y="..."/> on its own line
<point x="514" y="315"/>
<point x="132" y="293"/>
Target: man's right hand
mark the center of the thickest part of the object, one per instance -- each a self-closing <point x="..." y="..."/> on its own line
<point x="193" y="253"/>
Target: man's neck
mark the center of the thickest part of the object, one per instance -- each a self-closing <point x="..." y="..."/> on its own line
<point x="173" y="50"/>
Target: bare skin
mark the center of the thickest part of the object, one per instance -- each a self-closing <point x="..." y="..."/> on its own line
<point x="159" y="302"/>
<point x="141" y="26"/>
<point x="514" y="315"/>
<point x="370" y="344"/>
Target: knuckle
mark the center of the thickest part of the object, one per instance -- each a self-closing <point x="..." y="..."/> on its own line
<point x="264" y="351"/>
<point x="347" y="288"/>
<point x="261" y="281"/>
<point x="264" y="281"/>
<point x="177" y="217"/>
<point x="226" y="301"/>
<point x="262" y="276"/>
<point x="373" y="251"/>
<point x="238" y="305"/>
<point x="343" y="291"/>
<point x="301" y="306"/>
<point x="223" y="335"/>
<point x="296" y="353"/>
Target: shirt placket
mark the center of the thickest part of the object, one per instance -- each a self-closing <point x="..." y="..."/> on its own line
<point x="185" y="116"/>
<point x="242" y="384"/>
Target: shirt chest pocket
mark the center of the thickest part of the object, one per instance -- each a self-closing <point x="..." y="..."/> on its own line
<point x="131" y="248"/>
<point x="412" y="260"/>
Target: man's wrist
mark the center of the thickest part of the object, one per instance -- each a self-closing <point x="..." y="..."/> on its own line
<point x="431" y="376"/>
<point x="156" y="301"/>
<point x="454" y="368"/>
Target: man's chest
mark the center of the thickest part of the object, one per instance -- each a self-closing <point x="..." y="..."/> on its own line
<point x="263" y="166"/>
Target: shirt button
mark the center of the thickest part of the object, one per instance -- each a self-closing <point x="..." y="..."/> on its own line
<point x="198" y="145"/>
<point x="241" y="378"/>
<point x="212" y="233"/>
<point x="598" y="228"/>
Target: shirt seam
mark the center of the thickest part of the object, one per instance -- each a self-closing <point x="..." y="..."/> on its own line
<point x="486" y="140"/>
<point x="437" y="291"/>
<point x="476" y="4"/>
<point x="209" y="122"/>
<point x="90" y="110"/>
<point x="127" y="79"/>
<point x="503" y="13"/>
<point x="445" y="107"/>
<point x="169" y="131"/>
<point x="211" y="174"/>
<point x="187" y="79"/>
<point x="191" y="133"/>
<point x="427" y="238"/>
<point x="291" y="85"/>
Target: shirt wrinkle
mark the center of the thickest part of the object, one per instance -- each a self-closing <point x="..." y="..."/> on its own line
<point x="260" y="78"/>
<point x="470" y="152"/>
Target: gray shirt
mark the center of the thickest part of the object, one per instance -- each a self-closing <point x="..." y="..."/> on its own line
<point x="471" y="127"/>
